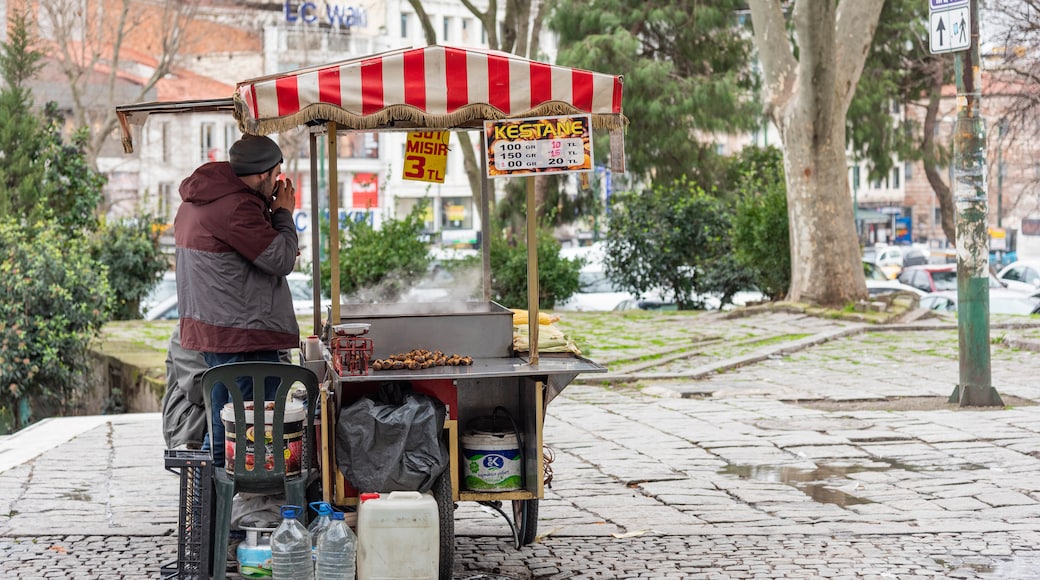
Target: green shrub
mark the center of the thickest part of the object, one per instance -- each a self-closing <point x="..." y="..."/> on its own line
<point x="380" y="265"/>
<point x="666" y="238"/>
<point x="53" y="301"/>
<point x="557" y="277"/>
<point x="760" y="228"/>
<point x="130" y="250"/>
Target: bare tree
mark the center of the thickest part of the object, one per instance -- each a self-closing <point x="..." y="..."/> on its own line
<point x="90" y="43"/>
<point x="1017" y="35"/>
<point x="807" y="95"/>
<point x="521" y="27"/>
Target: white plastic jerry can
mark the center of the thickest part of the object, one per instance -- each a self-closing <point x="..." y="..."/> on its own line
<point x="398" y="536"/>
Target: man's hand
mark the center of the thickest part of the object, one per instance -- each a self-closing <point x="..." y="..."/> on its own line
<point x="284" y="195"/>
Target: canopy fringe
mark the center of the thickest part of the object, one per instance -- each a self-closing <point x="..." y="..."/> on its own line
<point x="413" y="115"/>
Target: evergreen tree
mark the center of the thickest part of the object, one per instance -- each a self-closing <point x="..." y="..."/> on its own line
<point x="23" y="183"/>
<point x="687" y="68"/>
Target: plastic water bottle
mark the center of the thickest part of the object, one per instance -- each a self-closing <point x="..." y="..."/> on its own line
<point x="291" y="547"/>
<point x="319" y="524"/>
<point x="337" y="551"/>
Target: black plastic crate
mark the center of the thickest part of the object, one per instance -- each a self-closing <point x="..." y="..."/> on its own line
<point x="194" y="519"/>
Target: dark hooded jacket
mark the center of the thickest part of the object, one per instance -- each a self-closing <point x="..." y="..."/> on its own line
<point x="233" y="254"/>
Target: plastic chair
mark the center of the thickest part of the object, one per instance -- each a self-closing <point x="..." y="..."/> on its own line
<point x="257" y="479"/>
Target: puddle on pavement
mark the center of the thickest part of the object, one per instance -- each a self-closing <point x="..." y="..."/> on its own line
<point x="828" y="483"/>
<point x="77" y="495"/>
<point x="819" y="484"/>
<point x="974" y="567"/>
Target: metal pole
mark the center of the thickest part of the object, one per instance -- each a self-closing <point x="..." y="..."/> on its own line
<point x="485" y="220"/>
<point x="532" y="270"/>
<point x="333" y="154"/>
<point x="969" y="192"/>
<point x="1001" y="128"/>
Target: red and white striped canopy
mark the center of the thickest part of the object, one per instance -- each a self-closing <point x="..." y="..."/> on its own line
<point x="432" y="87"/>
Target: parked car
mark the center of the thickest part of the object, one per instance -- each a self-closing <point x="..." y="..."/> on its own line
<point x="166" y="287"/>
<point x="930" y="278"/>
<point x="164" y="310"/>
<point x="597" y="292"/>
<point x="871" y="271"/>
<point x="299" y="286"/>
<point x="888" y="258"/>
<point x="1021" y="275"/>
<point x="877" y="287"/>
<point x="1001" y="301"/>
<point x="914" y="257"/>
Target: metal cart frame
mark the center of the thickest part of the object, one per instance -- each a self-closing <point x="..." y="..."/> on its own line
<point x="522" y="382"/>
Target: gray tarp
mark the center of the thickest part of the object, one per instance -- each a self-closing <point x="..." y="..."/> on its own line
<point x="183" y="411"/>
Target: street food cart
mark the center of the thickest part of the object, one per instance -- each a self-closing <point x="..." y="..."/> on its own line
<point x="436" y="88"/>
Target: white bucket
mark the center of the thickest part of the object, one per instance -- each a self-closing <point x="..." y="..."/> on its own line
<point x="492" y="461"/>
<point x="398" y="537"/>
<point x="292" y="436"/>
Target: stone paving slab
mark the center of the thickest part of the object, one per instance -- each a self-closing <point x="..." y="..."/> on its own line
<point x="725" y="475"/>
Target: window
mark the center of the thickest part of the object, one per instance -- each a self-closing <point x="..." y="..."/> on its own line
<point x="1016" y="274"/>
<point x="231" y="135"/>
<point x="359" y="146"/>
<point x="908" y="170"/>
<point x="855" y="177"/>
<point x="207" y="142"/>
<point x="165" y="209"/>
<point x="446" y="36"/>
<point x="165" y="137"/>
<point x="466" y="31"/>
<point x="895" y="178"/>
<point x="404" y="26"/>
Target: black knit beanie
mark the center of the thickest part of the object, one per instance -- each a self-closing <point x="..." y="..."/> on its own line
<point x="253" y="154"/>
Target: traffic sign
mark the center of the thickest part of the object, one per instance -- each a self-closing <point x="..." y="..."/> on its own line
<point x="949" y="30"/>
<point x="944" y="4"/>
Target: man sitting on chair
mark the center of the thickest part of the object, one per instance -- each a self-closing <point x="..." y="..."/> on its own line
<point x="236" y="242"/>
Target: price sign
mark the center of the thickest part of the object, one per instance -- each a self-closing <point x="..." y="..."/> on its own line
<point x="426" y="156"/>
<point x="539" y="145"/>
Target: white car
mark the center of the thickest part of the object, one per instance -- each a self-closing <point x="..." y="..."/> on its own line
<point x="160" y="294"/>
<point x="597" y="292"/>
<point x="1001" y="301"/>
<point x="299" y="286"/>
<point x="1022" y="275"/>
<point x="303" y="293"/>
<point x="876" y="287"/>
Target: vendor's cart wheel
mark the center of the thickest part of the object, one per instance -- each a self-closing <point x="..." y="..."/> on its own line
<point x="446" y="514"/>
<point x="525" y="515"/>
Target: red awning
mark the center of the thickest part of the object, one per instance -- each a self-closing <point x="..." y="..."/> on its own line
<point x="432" y="87"/>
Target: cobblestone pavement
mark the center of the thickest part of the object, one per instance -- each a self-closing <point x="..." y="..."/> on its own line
<point x="764" y="446"/>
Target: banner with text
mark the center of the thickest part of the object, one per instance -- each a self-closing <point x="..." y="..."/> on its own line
<point x="365" y="191"/>
<point x="539" y="145"/>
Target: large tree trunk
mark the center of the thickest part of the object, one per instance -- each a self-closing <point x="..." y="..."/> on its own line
<point x="807" y="98"/>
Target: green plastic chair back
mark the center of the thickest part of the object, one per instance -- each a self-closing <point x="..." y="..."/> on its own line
<point x="259" y="479"/>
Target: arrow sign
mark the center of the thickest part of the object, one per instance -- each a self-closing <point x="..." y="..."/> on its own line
<point x="949" y="30"/>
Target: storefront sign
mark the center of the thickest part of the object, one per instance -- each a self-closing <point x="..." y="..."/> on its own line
<point x="336" y="15"/>
<point x="539" y="145"/>
<point x="365" y="191"/>
<point x="426" y="156"/>
<point x="302" y="218"/>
